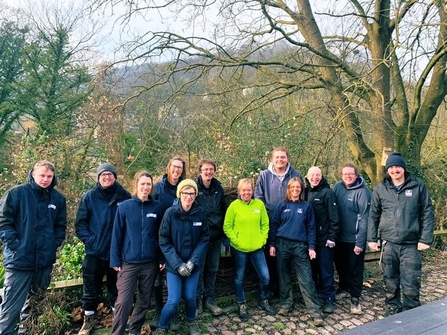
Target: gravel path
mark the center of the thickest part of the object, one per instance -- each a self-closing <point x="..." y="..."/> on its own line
<point x="434" y="287"/>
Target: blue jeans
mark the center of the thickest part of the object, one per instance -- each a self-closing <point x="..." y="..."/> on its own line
<point x="175" y="282"/>
<point x="18" y="289"/>
<point x="257" y="259"/>
<point x="207" y="281"/>
<point x="296" y="253"/>
<point x="323" y="272"/>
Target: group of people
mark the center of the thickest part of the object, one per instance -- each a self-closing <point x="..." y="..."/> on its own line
<point x="173" y="231"/>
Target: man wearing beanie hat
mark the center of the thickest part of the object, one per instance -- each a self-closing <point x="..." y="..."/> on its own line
<point x="106" y="167"/>
<point x="401" y="209"/>
<point x="395" y="159"/>
<point x="94" y="223"/>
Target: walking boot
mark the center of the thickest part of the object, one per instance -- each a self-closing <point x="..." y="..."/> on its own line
<point x="356" y="308"/>
<point x="157" y="293"/>
<point x="89" y="323"/>
<point x="175" y="322"/>
<point x="328" y="306"/>
<point x="265" y="305"/>
<point x="243" y="314"/>
<point x="213" y="308"/>
<point x="199" y="307"/>
<point x="194" y="328"/>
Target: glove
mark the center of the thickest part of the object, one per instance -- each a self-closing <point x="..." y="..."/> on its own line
<point x="190" y="266"/>
<point x="183" y="270"/>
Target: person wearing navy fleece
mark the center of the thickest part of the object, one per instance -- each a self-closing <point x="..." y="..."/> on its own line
<point x="93" y="226"/>
<point x="184" y="239"/>
<point x="165" y="191"/>
<point x="135" y="254"/>
<point x="292" y="237"/>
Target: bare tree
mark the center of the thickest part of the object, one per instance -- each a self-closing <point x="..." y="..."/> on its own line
<point x="382" y="63"/>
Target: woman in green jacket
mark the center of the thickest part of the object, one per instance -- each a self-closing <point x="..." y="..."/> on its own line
<point x="246" y="226"/>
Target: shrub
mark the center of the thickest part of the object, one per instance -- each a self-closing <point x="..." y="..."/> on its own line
<point x="69" y="262"/>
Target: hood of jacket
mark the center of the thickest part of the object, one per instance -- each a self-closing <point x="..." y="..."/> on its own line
<point x="272" y="170"/>
<point x="39" y="188"/>
<point x="359" y="182"/>
<point x="322" y="184"/>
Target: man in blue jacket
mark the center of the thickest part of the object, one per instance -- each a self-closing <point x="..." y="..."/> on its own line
<point x="402" y="210"/>
<point x="94" y="224"/>
<point x="33" y="219"/>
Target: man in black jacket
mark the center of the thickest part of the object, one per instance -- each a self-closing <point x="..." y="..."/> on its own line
<point x="401" y="209"/>
<point x="33" y="219"/>
<point x="94" y="223"/>
<point x="211" y="199"/>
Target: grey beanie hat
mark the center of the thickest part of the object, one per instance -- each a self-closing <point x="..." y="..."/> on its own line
<point x="106" y="167"/>
<point x="395" y="159"/>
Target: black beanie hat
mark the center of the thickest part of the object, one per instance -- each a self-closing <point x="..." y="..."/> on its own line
<point x="106" y="167"/>
<point x="395" y="159"/>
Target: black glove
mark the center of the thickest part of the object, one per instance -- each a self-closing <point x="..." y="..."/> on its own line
<point x="183" y="270"/>
<point x="190" y="266"/>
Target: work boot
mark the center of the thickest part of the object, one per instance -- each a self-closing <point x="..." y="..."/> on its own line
<point x="194" y="328"/>
<point x="356" y="308"/>
<point x="155" y="319"/>
<point x="243" y="314"/>
<point x="160" y="331"/>
<point x="199" y="308"/>
<point x="175" y="322"/>
<point x="265" y="305"/>
<point x="318" y="321"/>
<point x="213" y="308"/>
<point x="284" y="310"/>
<point x="328" y="306"/>
<point x="87" y="327"/>
<point x="391" y="310"/>
<point x="342" y="295"/>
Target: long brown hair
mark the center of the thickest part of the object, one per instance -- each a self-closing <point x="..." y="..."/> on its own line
<point x="177" y="158"/>
<point x="289" y="185"/>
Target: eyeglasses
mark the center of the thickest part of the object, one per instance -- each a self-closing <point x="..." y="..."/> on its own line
<point x="106" y="174"/>
<point x="186" y="194"/>
<point x="176" y="167"/>
<point x="348" y="174"/>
